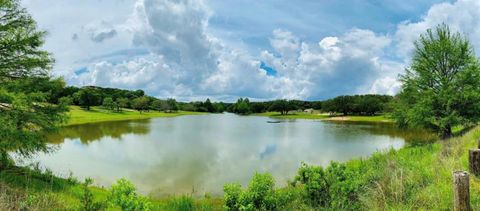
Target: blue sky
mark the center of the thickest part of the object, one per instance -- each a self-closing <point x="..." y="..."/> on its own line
<point x="194" y="49"/>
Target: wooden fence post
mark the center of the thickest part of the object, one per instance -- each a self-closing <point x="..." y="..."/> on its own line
<point x="461" y="191"/>
<point x="474" y="161"/>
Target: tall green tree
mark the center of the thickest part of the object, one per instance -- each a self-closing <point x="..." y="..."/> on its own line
<point x="172" y="105"/>
<point x="108" y="103"/>
<point x="87" y="97"/>
<point x="441" y="88"/>
<point x="141" y="103"/>
<point x="26" y="116"/>
<point x="122" y="103"/>
<point x="21" y="55"/>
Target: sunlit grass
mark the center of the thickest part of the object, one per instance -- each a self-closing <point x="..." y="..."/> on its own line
<point x="293" y="115"/>
<point x="97" y="114"/>
<point x="324" y="116"/>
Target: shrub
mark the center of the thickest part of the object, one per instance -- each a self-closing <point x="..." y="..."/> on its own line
<point x="124" y="195"/>
<point x="259" y="195"/>
<point x="88" y="203"/>
<point x="232" y="195"/>
<point x="335" y="187"/>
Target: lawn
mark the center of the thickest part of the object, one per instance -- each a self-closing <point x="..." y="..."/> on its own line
<point x="97" y="114"/>
<point x="293" y="115"/>
<point x="323" y="116"/>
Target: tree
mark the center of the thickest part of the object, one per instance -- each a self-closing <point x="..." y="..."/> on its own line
<point x="242" y="106"/>
<point x="108" y="103"/>
<point x="141" y="103"/>
<point x="441" y="88"/>
<point x="159" y="105"/>
<point x="282" y="106"/>
<point x="21" y="55"/>
<point x="122" y="103"/>
<point x="26" y="117"/>
<point x="172" y="105"/>
<point x="87" y="97"/>
<point x="209" y="106"/>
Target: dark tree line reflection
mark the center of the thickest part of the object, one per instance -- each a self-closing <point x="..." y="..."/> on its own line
<point x="93" y="132"/>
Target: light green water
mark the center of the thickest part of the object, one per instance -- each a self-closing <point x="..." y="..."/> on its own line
<point x="199" y="154"/>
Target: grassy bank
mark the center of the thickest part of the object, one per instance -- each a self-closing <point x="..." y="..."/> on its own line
<point x="33" y="189"/>
<point x="323" y="116"/>
<point x="277" y="115"/>
<point x="96" y="114"/>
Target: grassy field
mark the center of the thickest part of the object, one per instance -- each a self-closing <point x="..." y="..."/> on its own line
<point x="293" y="115"/>
<point x="322" y="116"/>
<point x="97" y="114"/>
<point x="34" y="189"/>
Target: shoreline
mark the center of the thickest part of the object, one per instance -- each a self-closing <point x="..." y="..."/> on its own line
<point x="327" y="117"/>
<point x="79" y="116"/>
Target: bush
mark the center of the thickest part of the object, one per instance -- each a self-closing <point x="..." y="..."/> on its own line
<point x="88" y="203"/>
<point x="124" y="195"/>
<point x="259" y="195"/>
<point x="335" y="187"/>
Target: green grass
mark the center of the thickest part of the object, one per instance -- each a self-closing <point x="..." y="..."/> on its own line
<point x="23" y="188"/>
<point x="293" y="115"/>
<point x="378" y="118"/>
<point x="96" y="114"/>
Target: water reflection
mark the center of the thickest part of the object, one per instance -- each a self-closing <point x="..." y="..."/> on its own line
<point x="201" y="153"/>
<point x="94" y="132"/>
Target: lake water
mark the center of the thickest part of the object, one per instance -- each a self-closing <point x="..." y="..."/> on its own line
<point x="201" y="153"/>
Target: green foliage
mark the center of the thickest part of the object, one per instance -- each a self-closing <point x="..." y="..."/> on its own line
<point x="26" y="115"/>
<point x="87" y="199"/>
<point x="87" y="97"/>
<point x="108" y="103"/>
<point x="336" y="187"/>
<point x="21" y="55"/>
<point x="141" y="103"/>
<point x="65" y="101"/>
<point x="25" y="120"/>
<point x="124" y="195"/>
<point x="260" y="194"/>
<point x="357" y="104"/>
<point x="283" y="106"/>
<point x="172" y="105"/>
<point x="122" y="103"/>
<point x="232" y="195"/>
<point x="441" y="88"/>
<point x="242" y="106"/>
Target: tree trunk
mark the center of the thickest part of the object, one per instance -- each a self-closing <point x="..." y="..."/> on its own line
<point x="461" y="191"/>
<point x="4" y="160"/>
<point x="474" y="161"/>
<point x="478" y="144"/>
<point x="447" y="131"/>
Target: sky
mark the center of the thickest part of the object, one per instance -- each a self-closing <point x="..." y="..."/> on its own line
<point x="260" y="49"/>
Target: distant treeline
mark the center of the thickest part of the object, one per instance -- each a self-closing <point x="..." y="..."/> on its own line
<point x="116" y="99"/>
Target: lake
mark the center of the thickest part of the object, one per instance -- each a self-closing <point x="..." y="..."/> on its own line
<point x="200" y="153"/>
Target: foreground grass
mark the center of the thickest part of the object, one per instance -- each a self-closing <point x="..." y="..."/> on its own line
<point x="26" y="189"/>
<point x="420" y="177"/>
<point x="413" y="178"/>
<point x="96" y="114"/>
